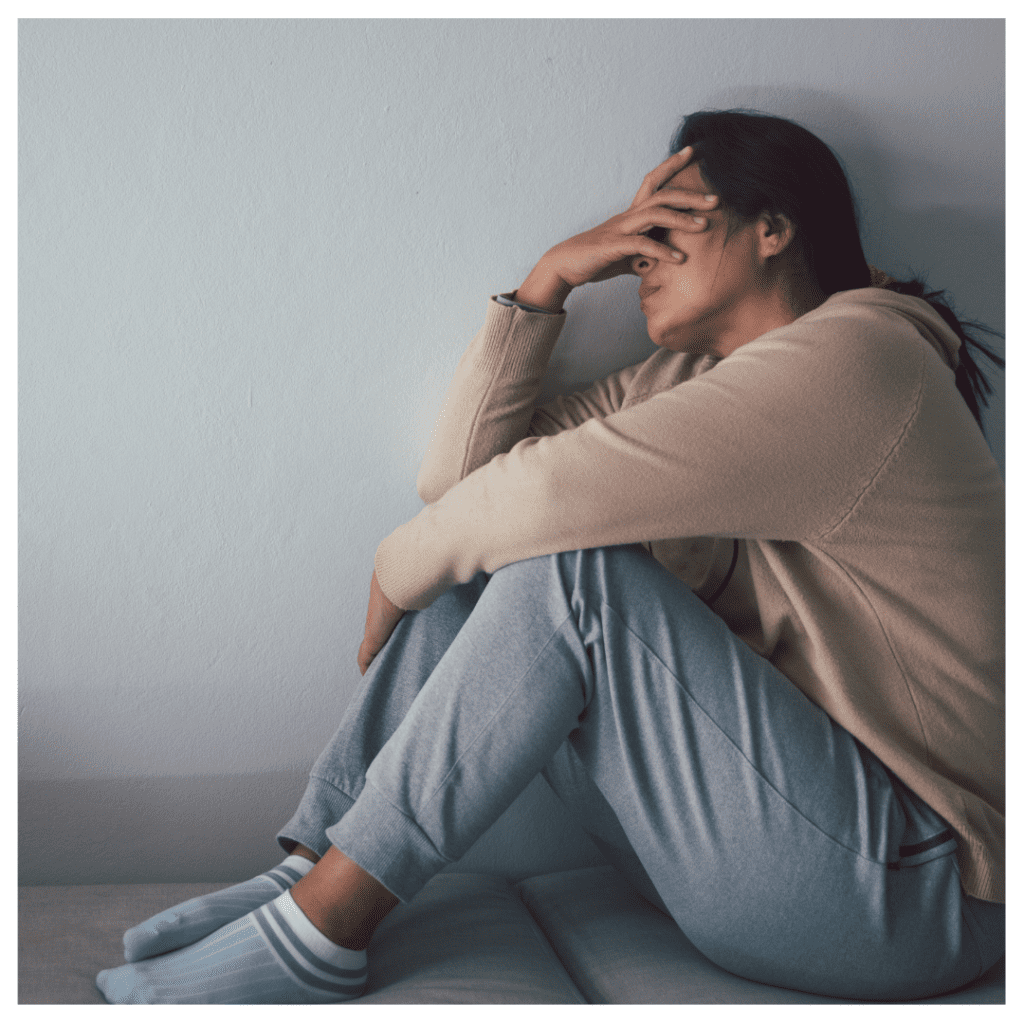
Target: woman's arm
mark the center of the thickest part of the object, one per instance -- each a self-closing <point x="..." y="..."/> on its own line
<point x="776" y="442"/>
<point x="489" y="406"/>
<point x="490" y="402"/>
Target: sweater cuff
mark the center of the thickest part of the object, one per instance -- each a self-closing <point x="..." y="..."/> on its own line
<point x="515" y="342"/>
<point x="400" y="581"/>
<point x="506" y="299"/>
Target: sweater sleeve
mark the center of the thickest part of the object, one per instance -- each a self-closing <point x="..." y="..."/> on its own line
<point x="490" y="403"/>
<point x="778" y="441"/>
<point x="490" y="400"/>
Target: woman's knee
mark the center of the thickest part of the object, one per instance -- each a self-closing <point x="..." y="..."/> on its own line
<point x="581" y="566"/>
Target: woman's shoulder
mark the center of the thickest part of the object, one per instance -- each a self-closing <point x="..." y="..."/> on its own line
<point x="854" y="366"/>
<point x="877" y="316"/>
<point x="863" y="340"/>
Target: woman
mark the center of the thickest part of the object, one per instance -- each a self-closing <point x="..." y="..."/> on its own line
<point x="787" y="729"/>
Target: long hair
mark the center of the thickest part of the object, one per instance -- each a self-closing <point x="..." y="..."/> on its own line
<point x="758" y="163"/>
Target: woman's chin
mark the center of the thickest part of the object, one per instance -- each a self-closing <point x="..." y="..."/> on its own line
<point x="679" y="341"/>
<point x="661" y="336"/>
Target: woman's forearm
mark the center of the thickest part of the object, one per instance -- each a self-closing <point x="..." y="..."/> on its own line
<point x="491" y="397"/>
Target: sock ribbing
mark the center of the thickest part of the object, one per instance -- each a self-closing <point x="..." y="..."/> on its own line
<point x="272" y="955"/>
<point x="187" y="922"/>
<point x="311" y="958"/>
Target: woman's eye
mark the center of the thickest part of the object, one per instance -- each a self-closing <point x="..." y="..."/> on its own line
<point x="657" y="234"/>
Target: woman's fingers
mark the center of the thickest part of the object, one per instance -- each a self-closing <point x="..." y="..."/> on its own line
<point x="643" y="245"/>
<point x="643" y="220"/>
<point x="667" y="169"/>
<point x="647" y="235"/>
<point x="607" y="250"/>
<point x="678" y="198"/>
<point x="381" y="618"/>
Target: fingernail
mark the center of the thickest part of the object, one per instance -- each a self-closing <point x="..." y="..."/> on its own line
<point x="699" y="220"/>
<point x="711" y="199"/>
<point x="677" y="255"/>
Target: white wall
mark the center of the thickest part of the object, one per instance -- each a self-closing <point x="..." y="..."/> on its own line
<point x="251" y="255"/>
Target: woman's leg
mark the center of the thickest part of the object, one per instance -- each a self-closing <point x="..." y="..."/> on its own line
<point x="586" y="806"/>
<point x="766" y="830"/>
<point x="187" y="951"/>
<point x="381" y="702"/>
<point x="383" y="699"/>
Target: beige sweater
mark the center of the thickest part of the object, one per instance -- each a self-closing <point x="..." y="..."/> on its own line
<point x="869" y="510"/>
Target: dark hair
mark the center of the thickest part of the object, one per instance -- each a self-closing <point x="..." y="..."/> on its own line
<point x="970" y="380"/>
<point x="757" y="163"/>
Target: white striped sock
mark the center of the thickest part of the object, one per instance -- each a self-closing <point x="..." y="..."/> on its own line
<point x="272" y="955"/>
<point x="187" y="922"/>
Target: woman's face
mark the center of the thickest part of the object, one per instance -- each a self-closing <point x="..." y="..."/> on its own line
<point x="712" y="298"/>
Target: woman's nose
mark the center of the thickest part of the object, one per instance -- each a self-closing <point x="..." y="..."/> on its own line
<point x="641" y="264"/>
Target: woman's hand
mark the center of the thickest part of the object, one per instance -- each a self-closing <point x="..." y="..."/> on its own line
<point x="608" y="250"/>
<point x="381" y="618"/>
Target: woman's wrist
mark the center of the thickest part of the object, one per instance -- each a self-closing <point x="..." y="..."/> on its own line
<point x="543" y="288"/>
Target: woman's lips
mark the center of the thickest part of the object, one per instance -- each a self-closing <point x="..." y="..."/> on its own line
<point x="646" y="291"/>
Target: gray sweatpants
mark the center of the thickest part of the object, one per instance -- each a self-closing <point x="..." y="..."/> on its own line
<point x="786" y="851"/>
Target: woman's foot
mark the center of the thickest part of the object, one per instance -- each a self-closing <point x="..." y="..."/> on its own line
<point x="194" y="919"/>
<point x="272" y="955"/>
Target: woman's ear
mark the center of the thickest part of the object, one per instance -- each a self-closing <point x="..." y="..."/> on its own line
<point x="775" y="232"/>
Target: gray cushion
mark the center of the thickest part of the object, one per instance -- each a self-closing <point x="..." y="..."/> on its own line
<point x="464" y="939"/>
<point x="619" y="948"/>
<point x="67" y="934"/>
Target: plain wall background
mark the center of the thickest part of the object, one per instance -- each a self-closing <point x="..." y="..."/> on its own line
<point x="251" y="254"/>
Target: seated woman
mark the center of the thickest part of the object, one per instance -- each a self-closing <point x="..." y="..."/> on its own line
<point x="785" y="729"/>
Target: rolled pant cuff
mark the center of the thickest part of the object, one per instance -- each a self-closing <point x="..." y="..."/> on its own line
<point x="323" y="805"/>
<point x="387" y="844"/>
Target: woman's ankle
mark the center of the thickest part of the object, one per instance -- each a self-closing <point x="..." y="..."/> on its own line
<point x="343" y="901"/>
